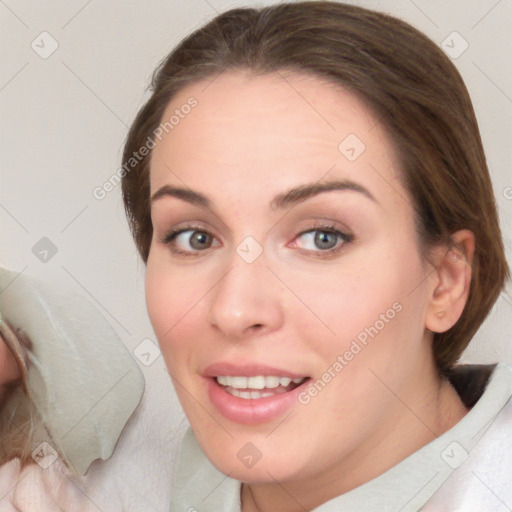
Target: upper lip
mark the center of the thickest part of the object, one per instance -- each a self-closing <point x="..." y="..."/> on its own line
<point x="248" y="370"/>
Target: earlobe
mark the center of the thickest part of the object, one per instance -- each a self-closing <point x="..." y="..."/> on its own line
<point x="452" y="280"/>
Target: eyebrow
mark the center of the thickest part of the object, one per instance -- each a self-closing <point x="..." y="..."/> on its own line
<point x="281" y="201"/>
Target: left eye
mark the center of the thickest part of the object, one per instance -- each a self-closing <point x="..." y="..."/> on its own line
<point x="323" y="239"/>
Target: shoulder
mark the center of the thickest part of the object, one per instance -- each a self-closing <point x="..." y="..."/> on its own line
<point x="483" y="481"/>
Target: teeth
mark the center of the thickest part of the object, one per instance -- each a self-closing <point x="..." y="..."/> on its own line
<point x="271" y="382"/>
<point x="237" y="382"/>
<point x="222" y="380"/>
<point x="257" y="382"/>
<point x="248" y="394"/>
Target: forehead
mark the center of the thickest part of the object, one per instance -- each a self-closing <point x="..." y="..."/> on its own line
<point x="274" y="129"/>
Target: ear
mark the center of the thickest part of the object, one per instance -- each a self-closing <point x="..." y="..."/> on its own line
<point x="451" y="279"/>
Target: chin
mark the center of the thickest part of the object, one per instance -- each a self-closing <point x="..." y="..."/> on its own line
<point x="253" y="458"/>
<point x="264" y="470"/>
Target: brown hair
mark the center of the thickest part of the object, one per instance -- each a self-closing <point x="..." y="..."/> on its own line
<point x="407" y="81"/>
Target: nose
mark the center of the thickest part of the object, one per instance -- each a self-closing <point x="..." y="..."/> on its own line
<point x="246" y="301"/>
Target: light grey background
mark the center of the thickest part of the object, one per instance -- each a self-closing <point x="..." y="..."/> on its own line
<point x="64" y="119"/>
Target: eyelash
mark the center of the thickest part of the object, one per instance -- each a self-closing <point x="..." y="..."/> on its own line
<point x="323" y="228"/>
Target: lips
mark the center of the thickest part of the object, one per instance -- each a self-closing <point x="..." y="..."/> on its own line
<point x="252" y="394"/>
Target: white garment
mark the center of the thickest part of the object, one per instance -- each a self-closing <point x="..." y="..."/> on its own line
<point x="468" y="468"/>
<point x="81" y="379"/>
<point x="137" y="478"/>
<point x="484" y="481"/>
<point x="86" y="385"/>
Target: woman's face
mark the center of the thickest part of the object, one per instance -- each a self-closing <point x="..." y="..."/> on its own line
<point x="284" y="282"/>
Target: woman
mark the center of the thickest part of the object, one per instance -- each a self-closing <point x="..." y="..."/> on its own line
<point x="67" y="388"/>
<point x="302" y="187"/>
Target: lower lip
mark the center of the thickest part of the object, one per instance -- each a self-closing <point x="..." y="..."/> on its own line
<point x="251" y="411"/>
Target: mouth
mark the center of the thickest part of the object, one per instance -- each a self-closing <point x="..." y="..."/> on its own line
<point x="258" y="386"/>
<point x="252" y="394"/>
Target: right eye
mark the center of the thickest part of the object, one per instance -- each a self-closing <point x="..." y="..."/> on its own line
<point x="188" y="241"/>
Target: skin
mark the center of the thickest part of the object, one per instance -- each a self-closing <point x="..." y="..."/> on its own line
<point x="249" y="139"/>
<point x="9" y="370"/>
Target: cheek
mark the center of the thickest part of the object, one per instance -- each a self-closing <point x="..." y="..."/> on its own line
<point x="342" y="299"/>
<point x="367" y="299"/>
<point x="167" y="302"/>
<point x="159" y="298"/>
